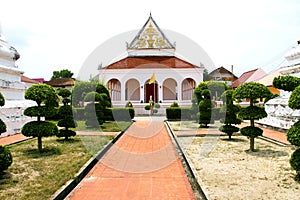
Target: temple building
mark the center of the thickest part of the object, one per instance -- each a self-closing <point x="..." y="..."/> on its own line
<point x="12" y="86"/>
<point x="151" y="71"/>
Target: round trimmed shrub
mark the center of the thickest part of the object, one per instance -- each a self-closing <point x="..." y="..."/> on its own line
<point x="157" y="105"/>
<point x="294" y="100"/>
<point x="295" y="160"/>
<point x="40" y="111"/>
<point x="2" y="126"/>
<point x="2" y="100"/>
<point x="147" y="107"/>
<point x="65" y="110"/>
<point x="5" y="158"/>
<point x="128" y="105"/>
<point x="65" y="133"/>
<point x="67" y="123"/>
<point x="92" y="96"/>
<point x="287" y="83"/>
<point x="39" y="129"/>
<point x="229" y="129"/>
<point x="293" y="134"/>
<point x="251" y="131"/>
<point x="64" y="93"/>
<point x="174" y="105"/>
<point x="252" y="112"/>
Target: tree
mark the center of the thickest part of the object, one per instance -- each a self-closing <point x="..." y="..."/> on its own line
<point x="5" y="155"/>
<point x="230" y="111"/>
<point x="287" y="83"/>
<point x="46" y="98"/>
<point x="206" y="75"/>
<point x="82" y="88"/>
<point x="217" y="88"/>
<point x="65" y="73"/>
<point x="205" y="109"/>
<point x="93" y="111"/>
<point x="251" y="91"/>
<point x="291" y="83"/>
<point x="66" y="114"/>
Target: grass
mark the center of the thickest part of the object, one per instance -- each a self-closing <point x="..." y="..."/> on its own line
<point x="109" y="126"/>
<point x="35" y="175"/>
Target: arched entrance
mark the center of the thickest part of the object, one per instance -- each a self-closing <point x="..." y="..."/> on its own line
<point x="114" y="87"/>
<point x="151" y="92"/>
<point x="132" y="91"/>
<point x="170" y="89"/>
<point x="188" y="86"/>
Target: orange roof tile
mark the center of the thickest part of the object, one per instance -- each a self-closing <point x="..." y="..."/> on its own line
<point x="150" y="62"/>
<point x="25" y="79"/>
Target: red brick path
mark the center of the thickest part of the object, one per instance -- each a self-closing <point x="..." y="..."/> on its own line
<point x="12" y="139"/>
<point x="142" y="164"/>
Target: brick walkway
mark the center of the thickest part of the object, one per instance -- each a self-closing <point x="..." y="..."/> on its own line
<point x="142" y="164"/>
<point x="13" y="139"/>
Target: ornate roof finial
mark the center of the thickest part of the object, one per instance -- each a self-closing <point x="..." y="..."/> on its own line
<point x="150" y="15"/>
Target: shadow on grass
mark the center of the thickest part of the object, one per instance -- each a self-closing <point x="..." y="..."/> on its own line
<point x="266" y="153"/>
<point x="4" y="176"/>
<point x="69" y="141"/>
<point x="47" y="151"/>
<point x="233" y="139"/>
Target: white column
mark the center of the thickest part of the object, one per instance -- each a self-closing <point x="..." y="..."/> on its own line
<point x="142" y="97"/>
<point x="160" y="92"/>
<point x="123" y="88"/>
<point x="179" y="91"/>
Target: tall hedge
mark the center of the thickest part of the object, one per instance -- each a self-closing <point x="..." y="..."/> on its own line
<point x="66" y="114"/>
<point x="251" y="91"/>
<point x="46" y="98"/>
<point x="230" y="110"/>
<point x="205" y="109"/>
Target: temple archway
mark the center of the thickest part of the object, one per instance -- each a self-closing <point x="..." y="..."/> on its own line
<point x="170" y="89"/>
<point x="114" y="87"/>
<point x="132" y="90"/>
<point x="187" y="87"/>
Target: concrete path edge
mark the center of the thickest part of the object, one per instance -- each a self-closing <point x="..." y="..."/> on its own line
<point x="191" y="168"/>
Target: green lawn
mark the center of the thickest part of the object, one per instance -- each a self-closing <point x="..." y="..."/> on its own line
<point x="38" y="176"/>
<point x="109" y="126"/>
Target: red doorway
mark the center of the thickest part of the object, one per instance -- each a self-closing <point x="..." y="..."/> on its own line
<point x="151" y="90"/>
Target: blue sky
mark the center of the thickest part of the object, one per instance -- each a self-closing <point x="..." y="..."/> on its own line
<point x="53" y="35"/>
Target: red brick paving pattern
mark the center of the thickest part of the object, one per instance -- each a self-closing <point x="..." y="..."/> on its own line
<point x="13" y="139"/>
<point x="143" y="164"/>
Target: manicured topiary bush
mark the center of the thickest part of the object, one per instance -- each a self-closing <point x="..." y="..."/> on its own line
<point x="173" y="113"/>
<point x="5" y="158"/>
<point x="128" y="105"/>
<point x="287" y="83"/>
<point x="174" y="105"/>
<point x="205" y="109"/>
<point x="291" y="83"/>
<point x="251" y="91"/>
<point x="66" y="114"/>
<point x="46" y="98"/>
<point x="230" y="114"/>
<point x="123" y="114"/>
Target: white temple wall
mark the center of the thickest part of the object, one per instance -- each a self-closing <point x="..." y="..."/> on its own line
<point x="143" y="75"/>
